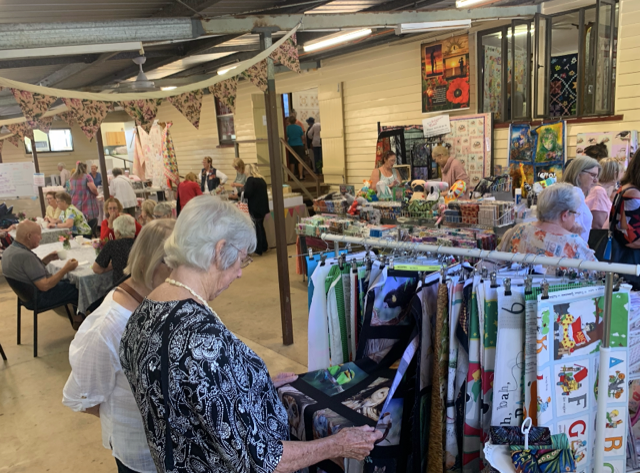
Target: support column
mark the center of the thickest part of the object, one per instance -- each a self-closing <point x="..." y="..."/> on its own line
<point x="43" y="207"/>
<point x="271" y="106"/>
<point x="103" y="164"/>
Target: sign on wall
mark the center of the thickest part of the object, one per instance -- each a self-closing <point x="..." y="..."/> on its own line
<point x="445" y="75"/>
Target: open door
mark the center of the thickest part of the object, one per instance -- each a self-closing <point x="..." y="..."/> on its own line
<point x="332" y="122"/>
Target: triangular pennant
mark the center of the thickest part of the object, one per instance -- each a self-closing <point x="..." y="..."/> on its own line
<point x="43" y="124"/>
<point x="14" y="140"/>
<point x="68" y="118"/>
<point x="1" y="144"/>
<point x="613" y="362"/>
<point x="142" y="111"/>
<point x="189" y="104"/>
<point x="287" y="54"/>
<point x="257" y="74"/>
<point x="89" y="114"/>
<point x="32" y="104"/>
<point x="21" y="129"/>
<point x="226" y="91"/>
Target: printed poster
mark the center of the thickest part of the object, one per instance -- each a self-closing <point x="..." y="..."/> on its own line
<point x="570" y="323"/>
<point x="445" y="75"/>
<point x="541" y="151"/>
<point x="620" y="145"/>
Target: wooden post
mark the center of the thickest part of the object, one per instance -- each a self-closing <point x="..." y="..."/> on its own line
<point x="37" y="167"/>
<point x="276" y="191"/>
<point x="103" y="164"/>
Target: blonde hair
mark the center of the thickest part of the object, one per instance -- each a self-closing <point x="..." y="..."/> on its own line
<point x="191" y="177"/>
<point x="81" y="169"/>
<point x="148" y="251"/>
<point x="147" y="208"/>
<point x="238" y="165"/>
<point x="252" y="170"/>
<point x="611" y="168"/>
<point x="577" y="166"/>
<point x="441" y="150"/>
<point x="111" y="200"/>
<point x="209" y="160"/>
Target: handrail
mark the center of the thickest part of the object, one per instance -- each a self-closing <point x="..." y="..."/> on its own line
<point x="304" y="165"/>
<point x="295" y="179"/>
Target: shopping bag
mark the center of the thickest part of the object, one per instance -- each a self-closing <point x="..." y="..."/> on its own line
<point x="243" y="205"/>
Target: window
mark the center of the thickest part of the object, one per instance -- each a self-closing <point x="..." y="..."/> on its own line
<point x="226" y="126"/>
<point x="559" y="66"/>
<point x="56" y="140"/>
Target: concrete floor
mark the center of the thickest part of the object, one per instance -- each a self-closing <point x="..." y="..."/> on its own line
<point x="39" y="434"/>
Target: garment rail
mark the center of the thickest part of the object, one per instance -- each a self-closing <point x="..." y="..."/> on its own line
<point x="608" y="268"/>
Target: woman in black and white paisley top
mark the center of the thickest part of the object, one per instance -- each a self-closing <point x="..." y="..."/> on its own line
<point x="188" y="371"/>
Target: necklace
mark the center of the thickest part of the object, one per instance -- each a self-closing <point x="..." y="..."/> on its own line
<point x="173" y="282"/>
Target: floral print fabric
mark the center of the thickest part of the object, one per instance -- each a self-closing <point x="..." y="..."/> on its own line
<point x="21" y="130"/>
<point x="169" y="156"/>
<point x="189" y="104"/>
<point x="287" y="54"/>
<point x="528" y="238"/>
<point x="226" y="92"/>
<point x="257" y="74"/>
<point x="33" y="105"/>
<point x="224" y="411"/>
<point x="89" y="114"/>
<point x="43" y="124"/>
<point x="80" y="225"/>
<point x="142" y="111"/>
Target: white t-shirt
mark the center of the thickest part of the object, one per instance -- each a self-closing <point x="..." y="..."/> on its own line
<point x="585" y="219"/>
<point x="121" y="189"/>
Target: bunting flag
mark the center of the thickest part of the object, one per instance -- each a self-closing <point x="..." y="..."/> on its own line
<point x="169" y="157"/>
<point x="1" y="143"/>
<point x="32" y="104"/>
<point x="257" y="74"/>
<point x="14" y="140"/>
<point x="43" y="124"/>
<point x="226" y="92"/>
<point x="287" y="54"/>
<point x="189" y="104"/>
<point x="68" y="118"/>
<point x="88" y="114"/>
<point x="142" y="111"/>
<point x="22" y="130"/>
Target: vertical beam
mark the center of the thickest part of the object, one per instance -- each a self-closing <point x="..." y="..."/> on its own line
<point x="278" y="198"/>
<point x="103" y="164"/>
<point x="37" y="167"/>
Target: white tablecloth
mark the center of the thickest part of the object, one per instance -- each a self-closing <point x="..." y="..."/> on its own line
<point x="91" y="286"/>
<point x="49" y="235"/>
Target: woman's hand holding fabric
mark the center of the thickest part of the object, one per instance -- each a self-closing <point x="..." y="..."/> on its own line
<point x="357" y="442"/>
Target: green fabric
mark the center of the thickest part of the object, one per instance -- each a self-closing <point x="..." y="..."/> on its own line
<point x="335" y="274"/>
<point x="80" y="224"/>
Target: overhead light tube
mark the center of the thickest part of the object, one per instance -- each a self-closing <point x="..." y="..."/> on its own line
<point x="222" y="72"/>
<point x="337" y="39"/>
<point x="432" y="26"/>
<point x="473" y="3"/>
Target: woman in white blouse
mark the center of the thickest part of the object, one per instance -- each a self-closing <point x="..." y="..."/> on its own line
<point x="97" y="384"/>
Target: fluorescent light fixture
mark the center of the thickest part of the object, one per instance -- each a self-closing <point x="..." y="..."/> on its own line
<point x="169" y="87"/>
<point x="70" y="50"/>
<point x="225" y="70"/>
<point x="473" y="3"/>
<point x="432" y="26"/>
<point x="338" y="38"/>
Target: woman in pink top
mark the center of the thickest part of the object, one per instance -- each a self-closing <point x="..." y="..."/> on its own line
<point x="452" y="169"/>
<point x="601" y="196"/>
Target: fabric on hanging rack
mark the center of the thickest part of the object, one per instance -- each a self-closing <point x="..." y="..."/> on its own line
<point x="353" y="321"/>
<point x="489" y="341"/>
<point x="318" y="333"/>
<point x="509" y="368"/>
<point x="335" y="316"/>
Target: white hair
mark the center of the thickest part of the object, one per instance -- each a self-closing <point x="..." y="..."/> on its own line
<point x="557" y="199"/>
<point x="125" y="225"/>
<point x="164" y="209"/>
<point x="205" y="221"/>
<point x="61" y="165"/>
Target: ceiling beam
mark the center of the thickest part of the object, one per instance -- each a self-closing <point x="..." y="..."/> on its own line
<point x="402" y="4"/>
<point x="213" y="66"/>
<point x="86" y="59"/>
<point x="289" y="7"/>
<point x="360" y="20"/>
<point x="202" y="46"/>
<point x="38" y="35"/>
<point x="185" y="8"/>
<point x="133" y="69"/>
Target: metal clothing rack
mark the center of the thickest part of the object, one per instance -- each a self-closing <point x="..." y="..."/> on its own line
<point x="608" y="268"/>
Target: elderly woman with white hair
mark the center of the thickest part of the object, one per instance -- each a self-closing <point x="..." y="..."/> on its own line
<point x="583" y="173"/>
<point x="207" y="400"/>
<point x="114" y="255"/>
<point x="97" y="384"/>
<point x="552" y="234"/>
<point x="163" y="210"/>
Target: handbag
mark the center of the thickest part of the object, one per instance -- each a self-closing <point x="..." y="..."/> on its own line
<point x="611" y="246"/>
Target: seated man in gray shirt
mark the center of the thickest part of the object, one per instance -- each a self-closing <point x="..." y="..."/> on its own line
<point x="22" y="264"/>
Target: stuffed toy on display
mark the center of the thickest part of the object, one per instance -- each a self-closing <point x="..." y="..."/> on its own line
<point x="383" y="191"/>
<point x="419" y="188"/>
<point x="457" y="189"/>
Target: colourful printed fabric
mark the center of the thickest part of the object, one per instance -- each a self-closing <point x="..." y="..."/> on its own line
<point x="169" y="156"/>
<point x="88" y="114"/>
<point x="226" y="92"/>
<point x="80" y="225"/>
<point x="142" y="111"/>
<point x="528" y="238"/>
<point x="82" y="198"/>
<point x="257" y="74"/>
<point x="43" y="124"/>
<point x="189" y="104"/>
<point x="564" y="81"/>
<point x="32" y="104"/>
<point x="21" y="130"/>
<point x="554" y="458"/>
<point x="452" y="448"/>
<point x="512" y="435"/>
<point x="287" y="54"/>
<point x="338" y="344"/>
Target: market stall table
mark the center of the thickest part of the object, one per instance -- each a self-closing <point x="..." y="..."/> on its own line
<point x="291" y="217"/>
<point x="90" y="286"/>
<point x="49" y="235"/>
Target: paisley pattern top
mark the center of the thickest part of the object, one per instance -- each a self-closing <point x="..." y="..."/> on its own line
<point x="224" y="411"/>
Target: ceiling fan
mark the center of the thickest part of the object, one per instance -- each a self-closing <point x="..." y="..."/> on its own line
<point x="141" y="83"/>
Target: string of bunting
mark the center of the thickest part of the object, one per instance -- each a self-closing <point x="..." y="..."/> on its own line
<point x="88" y="110"/>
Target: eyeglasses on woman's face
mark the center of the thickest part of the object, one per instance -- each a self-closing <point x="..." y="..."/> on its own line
<point x="594" y="176"/>
<point x="573" y="212"/>
<point x="244" y="262"/>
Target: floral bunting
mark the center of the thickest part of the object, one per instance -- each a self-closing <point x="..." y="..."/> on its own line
<point x="14" y="140"/>
<point x="169" y="157"/>
<point x="226" y="92"/>
<point x="43" y="124"/>
<point x="68" y="118"/>
<point x="287" y="54"/>
<point x="189" y="104"/>
<point x="33" y="105"/>
<point x="257" y="74"/>
<point x="88" y="114"/>
<point x="142" y="111"/>
<point x="20" y="130"/>
<point x="1" y="143"/>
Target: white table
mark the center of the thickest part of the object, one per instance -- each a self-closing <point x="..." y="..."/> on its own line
<point x="91" y="286"/>
<point x="49" y="235"/>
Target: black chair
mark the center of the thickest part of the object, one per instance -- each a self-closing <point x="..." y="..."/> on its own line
<point x="4" y="357"/>
<point x="93" y="223"/>
<point x="28" y="298"/>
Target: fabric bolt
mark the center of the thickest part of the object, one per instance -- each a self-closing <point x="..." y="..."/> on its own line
<point x="451" y="447"/>
<point x="531" y="400"/>
<point x="508" y="377"/>
<point x="353" y="321"/>
<point x="335" y="316"/>
<point x="349" y="355"/>
<point x="318" y="344"/>
<point x="97" y="379"/>
<point x="82" y="197"/>
<point x="489" y="341"/>
<point x="139" y="158"/>
<point x="80" y="225"/>
<point x="554" y="458"/>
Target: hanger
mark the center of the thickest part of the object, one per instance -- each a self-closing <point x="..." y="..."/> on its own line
<point x="507" y="286"/>
<point x="493" y="277"/>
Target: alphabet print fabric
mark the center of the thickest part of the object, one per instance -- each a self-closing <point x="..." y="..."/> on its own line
<point x="567" y="372"/>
